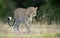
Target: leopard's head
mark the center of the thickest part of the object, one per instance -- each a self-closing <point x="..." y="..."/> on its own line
<point x="33" y="11"/>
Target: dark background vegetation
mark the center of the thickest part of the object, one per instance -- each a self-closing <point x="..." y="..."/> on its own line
<point x="48" y="10"/>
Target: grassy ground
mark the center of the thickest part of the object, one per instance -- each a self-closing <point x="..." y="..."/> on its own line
<point x="42" y="31"/>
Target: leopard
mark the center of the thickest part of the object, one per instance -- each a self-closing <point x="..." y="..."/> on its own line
<point x="24" y="15"/>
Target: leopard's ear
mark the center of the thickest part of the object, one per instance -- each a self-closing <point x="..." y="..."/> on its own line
<point x="36" y="7"/>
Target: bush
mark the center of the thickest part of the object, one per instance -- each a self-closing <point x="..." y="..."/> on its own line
<point x="6" y="8"/>
<point x="49" y="14"/>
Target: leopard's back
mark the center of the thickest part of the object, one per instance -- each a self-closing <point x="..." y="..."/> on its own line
<point x="24" y="14"/>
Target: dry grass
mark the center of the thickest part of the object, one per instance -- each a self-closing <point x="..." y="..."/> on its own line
<point x="37" y="31"/>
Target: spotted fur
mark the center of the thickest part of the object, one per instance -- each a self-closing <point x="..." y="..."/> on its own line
<point x="25" y="16"/>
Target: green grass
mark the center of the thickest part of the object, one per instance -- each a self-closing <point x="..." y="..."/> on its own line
<point x="0" y="35"/>
<point x="48" y="35"/>
<point x="38" y="35"/>
<point x="57" y="35"/>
